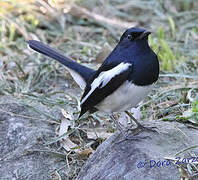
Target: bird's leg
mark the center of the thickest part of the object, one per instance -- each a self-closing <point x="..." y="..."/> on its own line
<point x="118" y="125"/>
<point x="123" y="132"/>
<point x="140" y="126"/>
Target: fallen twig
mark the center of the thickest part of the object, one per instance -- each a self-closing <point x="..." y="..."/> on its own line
<point x="78" y="11"/>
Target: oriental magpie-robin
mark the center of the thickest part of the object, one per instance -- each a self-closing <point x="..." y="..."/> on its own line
<point x="123" y="80"/>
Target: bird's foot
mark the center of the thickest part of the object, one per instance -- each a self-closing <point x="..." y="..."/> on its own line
<point x="134" y="137"/>
<point x="139" y="126"/>
<point x="148" y="129"/>
<point x="135" y="133"/>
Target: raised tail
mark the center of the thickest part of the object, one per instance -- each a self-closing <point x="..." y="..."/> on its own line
<point x="80" y="73"/>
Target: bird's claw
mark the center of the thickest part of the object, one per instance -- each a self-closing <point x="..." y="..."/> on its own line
<point x="148" y="129"/>
<point x="126" y="137"/>
<point x="142" y="128"/>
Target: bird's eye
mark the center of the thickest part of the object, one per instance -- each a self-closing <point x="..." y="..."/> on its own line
<point x="129" y="36"/>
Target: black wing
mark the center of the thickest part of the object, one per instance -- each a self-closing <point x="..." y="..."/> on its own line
<point x="101" y="93"/>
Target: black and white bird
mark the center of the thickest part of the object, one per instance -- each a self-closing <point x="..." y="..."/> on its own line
<point x="123" y="80"/>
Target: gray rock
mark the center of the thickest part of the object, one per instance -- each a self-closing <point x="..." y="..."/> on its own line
<point x="20" y="135"/>
<point x="135" y="159"/>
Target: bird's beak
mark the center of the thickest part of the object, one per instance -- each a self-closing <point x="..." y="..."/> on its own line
<point x="145" y="34"/>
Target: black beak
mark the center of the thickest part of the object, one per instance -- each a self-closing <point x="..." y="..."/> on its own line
<point x="145" y="34"/>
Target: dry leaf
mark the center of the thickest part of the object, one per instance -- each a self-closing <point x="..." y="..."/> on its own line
<point x="56" y="176"/>
<point x="66" y="115"/>
<point x="97" y="133"/>
<point x="68" y="145"/>
<point x="86" y="152"/>
<point x="65" y="123"/>
<point x="136" y="113"/>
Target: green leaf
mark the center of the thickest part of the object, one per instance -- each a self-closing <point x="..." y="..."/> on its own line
<point x="195" y="106"/>
<point x="160" y="33"/>
<point x="11" y="32"/>
<point x="172" y="24"/>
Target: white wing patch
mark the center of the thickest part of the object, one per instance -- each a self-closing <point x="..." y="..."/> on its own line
<point x="104" y="77"/>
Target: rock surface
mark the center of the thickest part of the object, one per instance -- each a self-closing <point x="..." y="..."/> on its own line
<point x="18" y="137"/>
<point x="21" y="135"/>
<point x="135" y="159"/>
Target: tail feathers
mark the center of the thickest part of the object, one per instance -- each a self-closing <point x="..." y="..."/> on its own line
<point x="80" y="73"/>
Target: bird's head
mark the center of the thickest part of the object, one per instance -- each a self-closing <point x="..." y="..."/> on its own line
<point x="135" y="34"/>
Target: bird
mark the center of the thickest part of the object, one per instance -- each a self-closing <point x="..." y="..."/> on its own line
<point x="123" y="80"/>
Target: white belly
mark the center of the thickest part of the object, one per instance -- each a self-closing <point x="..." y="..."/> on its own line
<point x="125" y="97"/>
